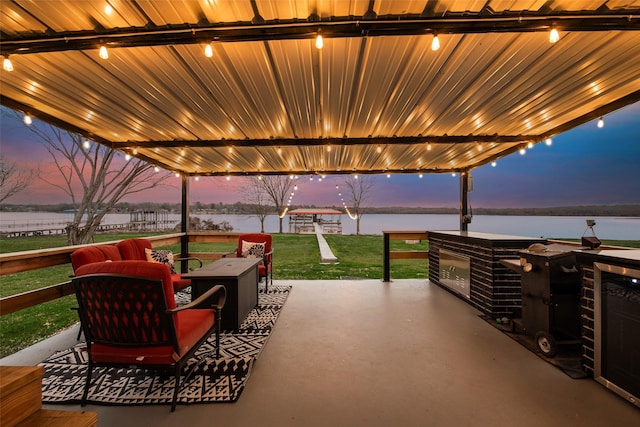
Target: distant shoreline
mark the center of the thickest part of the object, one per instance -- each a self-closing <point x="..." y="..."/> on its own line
<point x="623" y="210"/>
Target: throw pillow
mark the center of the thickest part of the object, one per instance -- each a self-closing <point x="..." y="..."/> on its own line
<point x="163" y="256"/>
<point x="252" y="249"/>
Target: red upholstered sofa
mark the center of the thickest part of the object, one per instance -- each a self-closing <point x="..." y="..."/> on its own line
<point x="125" y="250"/>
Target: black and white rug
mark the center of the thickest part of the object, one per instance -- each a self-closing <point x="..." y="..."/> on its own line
<point x="212" y="380"/>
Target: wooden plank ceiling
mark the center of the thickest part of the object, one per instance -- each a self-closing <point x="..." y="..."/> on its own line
<point x="375" y="99"/>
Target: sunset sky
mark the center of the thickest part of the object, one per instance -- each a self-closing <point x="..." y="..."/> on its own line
<point x="584" y="166"/>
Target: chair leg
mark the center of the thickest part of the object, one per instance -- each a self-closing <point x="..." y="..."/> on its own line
<point x="217" y="333"/>
<point x="87" y="383"/>
<point x="176" y="387"/>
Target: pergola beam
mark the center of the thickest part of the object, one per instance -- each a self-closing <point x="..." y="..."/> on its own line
<point x="336" y="27"/>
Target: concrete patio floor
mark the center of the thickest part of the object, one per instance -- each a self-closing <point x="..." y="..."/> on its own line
<point x="368" y="353"/>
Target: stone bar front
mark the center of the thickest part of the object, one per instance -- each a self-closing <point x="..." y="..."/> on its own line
<point x="468" y="264"/>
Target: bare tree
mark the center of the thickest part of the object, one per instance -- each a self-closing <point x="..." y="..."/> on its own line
<point x="13" y="179"/>
<point x="95" y="177"/>
<point x="278" y="188"/>
<point x="256" y="195"/>
<point x="356" y="190"/>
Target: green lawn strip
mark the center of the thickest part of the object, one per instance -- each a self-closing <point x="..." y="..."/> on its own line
<point x="296" y="256"/>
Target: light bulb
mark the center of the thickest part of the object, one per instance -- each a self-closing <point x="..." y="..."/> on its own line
<point x="86" y="144"/>
<point x="197" y="178"/>
<point x="208" y="50"/>
<point x="7" y="64"/>
<point x="127" y="157"/>
<point x="554" y="36"/>
<point x="548" y="141"/>
<point x="493" y="164"/>
<point x="435" y="43"/>
<point x="103" y="52"/>
<point x="429" y="146"/>
<point x="27" y="120"/>
<point x="328" y="148"/>
<point x="156" y="169"/>
<point x="523" y="151"/>
<point x="600" y="122"/>
<point x="319" y="42"/>
<point x="420" y="176"/>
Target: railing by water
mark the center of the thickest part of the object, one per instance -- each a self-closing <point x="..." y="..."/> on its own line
<point x="388" y="254"/>
<point x="16" y="262"/>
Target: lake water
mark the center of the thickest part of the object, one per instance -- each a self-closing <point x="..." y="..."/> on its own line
<point x="614" y="228"/>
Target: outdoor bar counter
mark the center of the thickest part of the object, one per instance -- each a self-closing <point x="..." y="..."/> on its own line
<point x="468" y="263"/>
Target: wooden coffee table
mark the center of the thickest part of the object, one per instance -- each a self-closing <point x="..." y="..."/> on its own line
<point x="239" y="276"/>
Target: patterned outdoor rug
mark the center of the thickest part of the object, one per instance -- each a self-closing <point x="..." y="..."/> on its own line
<point x="212" y="380"/>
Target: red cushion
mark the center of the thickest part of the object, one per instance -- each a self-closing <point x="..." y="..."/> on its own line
<point x="193" y="323"/>
<point x="111" y="252"/>
<point x="90" y="254"/>
<point x="179" y="282"/>
<point x="133" y="249"/>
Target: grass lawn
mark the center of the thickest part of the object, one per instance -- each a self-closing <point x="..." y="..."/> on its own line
<point x="296" y="256"/>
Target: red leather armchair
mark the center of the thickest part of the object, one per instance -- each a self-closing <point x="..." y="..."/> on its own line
<point x="129" y="317"/>
<point x="265" y="268"/>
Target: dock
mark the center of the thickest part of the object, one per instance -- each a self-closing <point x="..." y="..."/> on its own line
<point x="326" y="255"/>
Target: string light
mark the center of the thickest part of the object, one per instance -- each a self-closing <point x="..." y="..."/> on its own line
<point x="319" y="42"/>
<point x="379" y="149"/>
<point x="548" y="141"/>
<point x="554" y="36"/>
<point x="208" y="50"/>
<point x="523" y="151"/>
<point x="600" y="122"/>
<point x="428" y="146"/>
<point x="7" y="65"/>
<point x="127" y="157"/>
<point x="493" y="164"/>
<point x="104" y="54"/>
<point x="435" y="43"/>
<point x="27" y="120"/>
<point x="86" y="144"/>
<point x="156" y="169"/>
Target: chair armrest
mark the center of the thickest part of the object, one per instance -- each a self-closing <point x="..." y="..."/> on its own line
<point x="189" y="259"/>
<point x="219" y="304"/>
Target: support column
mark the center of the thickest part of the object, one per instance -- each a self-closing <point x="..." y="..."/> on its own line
<point x="465" y="218"/>
<point x="184" y="228"/>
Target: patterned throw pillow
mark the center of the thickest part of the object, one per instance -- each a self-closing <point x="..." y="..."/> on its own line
<point x="163" y="256"/>
<point x="252" y="249"/>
